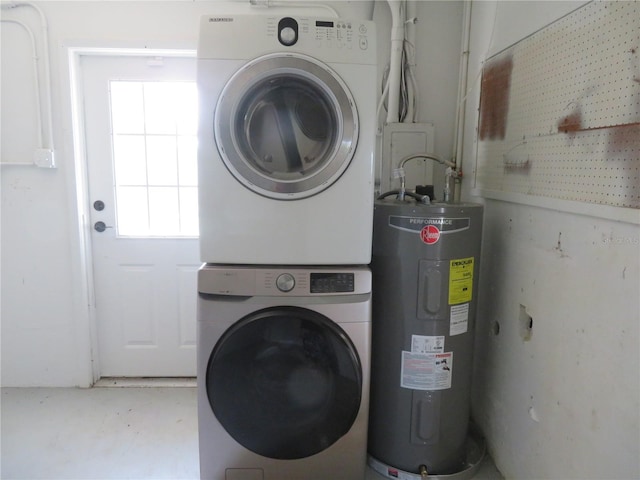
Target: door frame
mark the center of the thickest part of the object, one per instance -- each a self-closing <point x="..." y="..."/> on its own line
<point x="85" y="325"/>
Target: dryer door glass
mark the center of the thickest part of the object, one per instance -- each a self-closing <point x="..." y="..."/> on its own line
<point x="286" y="126"/>
<point x="285" y="382"/>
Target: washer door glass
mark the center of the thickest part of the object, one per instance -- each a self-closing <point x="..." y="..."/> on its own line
<point x="286" y="126"/>
<point x="285" y="382"/>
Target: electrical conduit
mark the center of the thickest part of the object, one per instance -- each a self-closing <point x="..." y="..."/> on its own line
<point x="395" y="63"/>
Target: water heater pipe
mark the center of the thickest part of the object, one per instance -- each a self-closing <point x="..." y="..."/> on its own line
<point x="451" y="173"/>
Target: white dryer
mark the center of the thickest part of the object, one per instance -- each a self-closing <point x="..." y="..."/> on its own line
<point x="283" y="372"/>
<point x="286" y="140"/>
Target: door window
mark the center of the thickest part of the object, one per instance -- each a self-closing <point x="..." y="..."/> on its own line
<point x="285" y="382"/>
<point x="153" y="127"/>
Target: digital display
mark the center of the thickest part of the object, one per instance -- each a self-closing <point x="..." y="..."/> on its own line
<point x="332" y="282"/>
<point x="324" y="24"/>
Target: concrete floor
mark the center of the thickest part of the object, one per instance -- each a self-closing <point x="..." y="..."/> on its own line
<point x="109" y="433"/>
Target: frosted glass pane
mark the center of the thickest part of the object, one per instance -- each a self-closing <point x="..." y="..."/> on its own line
<point x="187" y="161"/>
<point x="127" y="107"/>
<point x="162" y="161"/>
<point x="130" y="160"/>
<point x="164" y="212"/>
<point x="160" y="111"/>
<point x="132" y="209"/>
<point x="189" y="211"/>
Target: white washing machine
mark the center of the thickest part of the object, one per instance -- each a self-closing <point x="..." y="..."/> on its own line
<point x="286" y="140"/>
<point x="283" y="372"/>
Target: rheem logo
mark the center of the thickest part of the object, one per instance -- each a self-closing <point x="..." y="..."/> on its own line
<point x="430" y="234"/>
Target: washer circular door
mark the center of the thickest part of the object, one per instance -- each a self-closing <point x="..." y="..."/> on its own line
<point x="286" y="126"/>
<point x="285" y="382"/>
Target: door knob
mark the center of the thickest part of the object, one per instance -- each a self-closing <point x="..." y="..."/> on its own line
<point x="100" y="227"/>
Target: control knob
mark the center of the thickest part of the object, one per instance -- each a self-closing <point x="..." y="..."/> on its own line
<point x="288" y="36"/>
<point x="285" y="282"/>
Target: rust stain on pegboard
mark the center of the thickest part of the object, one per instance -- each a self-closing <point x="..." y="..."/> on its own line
<point x="571" y="123"/>
<point x="494" y="98"/>
<point x="624" y="138"/>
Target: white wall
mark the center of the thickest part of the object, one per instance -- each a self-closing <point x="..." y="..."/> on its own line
<point x="564" y="402"/>
<point x="46" y="312"/>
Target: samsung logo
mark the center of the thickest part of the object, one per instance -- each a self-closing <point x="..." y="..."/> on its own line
<point x="220" y="19"/>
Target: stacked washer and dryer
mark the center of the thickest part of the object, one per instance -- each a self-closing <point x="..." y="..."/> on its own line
<point x="286" y="142"/>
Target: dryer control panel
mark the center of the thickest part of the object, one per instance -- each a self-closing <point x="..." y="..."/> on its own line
<point x="296" y="282"/>
<point x="351" y="41"/>
<point x="338" y="34"/>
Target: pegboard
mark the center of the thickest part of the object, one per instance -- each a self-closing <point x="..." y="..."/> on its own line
<point x="560" y="110"/>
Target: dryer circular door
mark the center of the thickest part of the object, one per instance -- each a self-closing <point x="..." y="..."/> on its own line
<point x="286" y="126"/>
<point x="285" y="382"/>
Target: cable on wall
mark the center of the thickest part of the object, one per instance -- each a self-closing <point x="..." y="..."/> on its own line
<point x="44" y="155"/>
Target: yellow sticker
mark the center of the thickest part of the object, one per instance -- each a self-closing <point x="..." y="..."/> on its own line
<point x="460" y="281"/>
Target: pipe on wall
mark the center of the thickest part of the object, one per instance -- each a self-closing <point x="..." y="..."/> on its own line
<point x="463" y="79"/>
<point x="395" y="64"/>
<point x="45" y="155"/>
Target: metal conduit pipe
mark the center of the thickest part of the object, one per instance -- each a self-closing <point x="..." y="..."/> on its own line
<point x="395" y="63"/>
<point x="36" y="76"/>
<point x="48" y="144"/>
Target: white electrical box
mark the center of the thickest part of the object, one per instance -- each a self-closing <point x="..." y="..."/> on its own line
<point x="400" y="140"/>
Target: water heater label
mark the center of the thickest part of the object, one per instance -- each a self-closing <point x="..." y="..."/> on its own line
<point x="459" y="322"/>
<point x="460" y="281"/>
<point x="427" y="344"/>
<point x="426" y="371"/>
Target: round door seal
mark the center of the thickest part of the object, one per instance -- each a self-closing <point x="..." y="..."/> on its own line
<point x="299" y="174"/>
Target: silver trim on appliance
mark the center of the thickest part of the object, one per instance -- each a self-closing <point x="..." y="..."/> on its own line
<point x="305" y="152"/>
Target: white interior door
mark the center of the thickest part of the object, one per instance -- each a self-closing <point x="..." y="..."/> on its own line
<point x="140" y="126"/>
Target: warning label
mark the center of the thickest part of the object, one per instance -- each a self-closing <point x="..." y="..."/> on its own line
<point x="460" y="281"/>
<point x="426" y="371"/>
<point x="427" y="344"/>
<point x="459" y="319"/>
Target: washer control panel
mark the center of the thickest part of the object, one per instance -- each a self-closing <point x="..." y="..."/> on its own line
<point x="296" y="282"/>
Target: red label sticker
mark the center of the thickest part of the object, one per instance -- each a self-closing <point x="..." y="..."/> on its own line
<point x="430" y="234"/>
